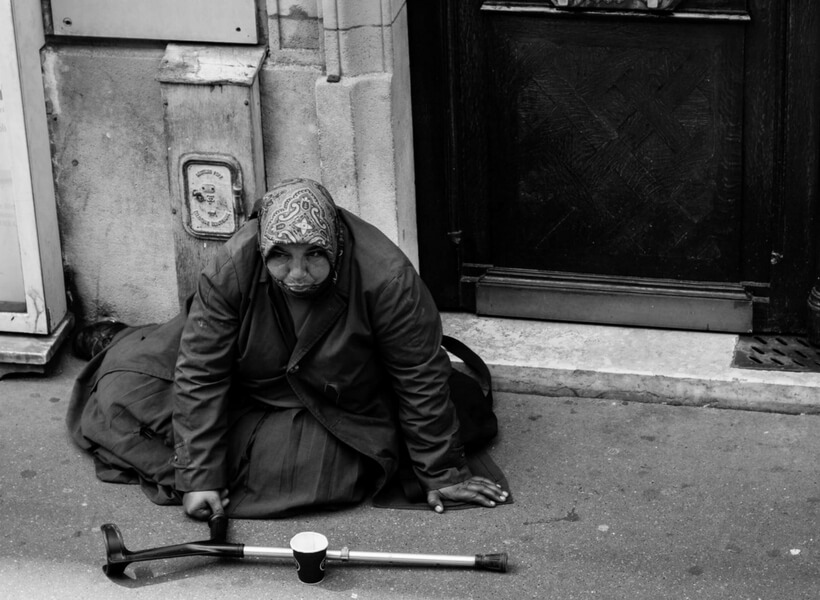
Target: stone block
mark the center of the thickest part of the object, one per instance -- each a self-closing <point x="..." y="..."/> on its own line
<point x="295" y="32"/>
<point x="337" y="142"/>
<point x="359" y="13"/>
<point x="362" y="50"/>
<point x="360" y="140"/>
<point x="289" y="122"/>
<point x="305" y="8"/>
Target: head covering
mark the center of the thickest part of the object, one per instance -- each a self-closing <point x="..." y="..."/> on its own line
<point x="299" y="211"/>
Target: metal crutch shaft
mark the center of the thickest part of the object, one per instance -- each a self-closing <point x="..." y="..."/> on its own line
<point x="489" y="562"/>
<point x="118" y="557"/>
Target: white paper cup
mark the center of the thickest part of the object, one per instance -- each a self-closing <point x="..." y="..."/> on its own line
<point x="309" y="552"/>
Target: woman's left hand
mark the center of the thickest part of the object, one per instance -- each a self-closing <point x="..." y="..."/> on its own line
<point x="478" y="490"/>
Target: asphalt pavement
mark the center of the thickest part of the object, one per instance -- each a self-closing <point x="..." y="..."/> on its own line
<point x="613" y="499"/>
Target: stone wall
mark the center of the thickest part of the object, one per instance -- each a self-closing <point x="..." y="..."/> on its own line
<point x="335" y="102"/>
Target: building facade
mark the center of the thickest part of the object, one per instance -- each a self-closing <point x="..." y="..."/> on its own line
<point x="636" y="162"/>
<point x="320" y="91"/>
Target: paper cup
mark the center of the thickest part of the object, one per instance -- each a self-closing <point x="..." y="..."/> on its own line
<point x="310" y="552"/>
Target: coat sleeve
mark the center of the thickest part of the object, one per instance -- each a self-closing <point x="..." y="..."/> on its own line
<point x="408" y="329"/>
<point x="203" y="381"/>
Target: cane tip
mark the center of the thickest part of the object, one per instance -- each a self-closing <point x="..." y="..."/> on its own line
<point x="492" y="562"/>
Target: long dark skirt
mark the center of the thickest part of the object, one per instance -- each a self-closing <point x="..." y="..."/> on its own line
<point x="289" y="463"/>
<point x="280" y="460"/>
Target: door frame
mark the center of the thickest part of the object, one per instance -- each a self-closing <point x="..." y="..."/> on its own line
<point x="780" y="183"/>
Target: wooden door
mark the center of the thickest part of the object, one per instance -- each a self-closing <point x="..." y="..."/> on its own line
<point x="618" y="166"/>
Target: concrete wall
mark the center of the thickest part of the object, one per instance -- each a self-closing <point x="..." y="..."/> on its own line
<point x="353" y="133"/>
<point x="109" y="163"/>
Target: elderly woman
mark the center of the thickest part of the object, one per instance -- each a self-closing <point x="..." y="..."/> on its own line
<point x="309" y="363"/>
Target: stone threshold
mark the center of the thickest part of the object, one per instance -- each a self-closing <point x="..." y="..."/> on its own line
<point x="628" y="363"/>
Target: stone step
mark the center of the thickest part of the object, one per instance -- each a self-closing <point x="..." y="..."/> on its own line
<point x="646" y="365"/>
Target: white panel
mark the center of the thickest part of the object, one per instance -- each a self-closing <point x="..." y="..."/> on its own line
<point x="226" y="21"/>
<point x="31" y="319"/>
<point x="12" y="290"/>
<point x="28" y="172"/>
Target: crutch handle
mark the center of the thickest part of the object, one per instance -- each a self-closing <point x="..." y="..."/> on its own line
<point x="218" y="524"/>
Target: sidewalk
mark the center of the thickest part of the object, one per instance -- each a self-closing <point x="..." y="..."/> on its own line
<point x="614" y="498"/>
<point x="645" y="365"/>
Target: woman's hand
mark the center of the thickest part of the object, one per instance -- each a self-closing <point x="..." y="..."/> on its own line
<point x="478" y="490"/>
<point x="204" y="503"/>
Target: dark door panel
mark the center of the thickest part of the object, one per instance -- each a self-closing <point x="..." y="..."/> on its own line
<point x="616" y="147"/>
<point x="594" y="163"/>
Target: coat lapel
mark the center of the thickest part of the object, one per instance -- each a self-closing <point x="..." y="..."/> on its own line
<point x="283" y="318"/>
<point x="323" y="314"/>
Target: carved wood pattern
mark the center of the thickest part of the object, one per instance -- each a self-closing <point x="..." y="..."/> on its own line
<point x="618" y="4"/>
<point x="616" y="148"/>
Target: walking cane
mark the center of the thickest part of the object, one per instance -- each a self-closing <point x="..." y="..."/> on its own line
<point x="118" y="557"/>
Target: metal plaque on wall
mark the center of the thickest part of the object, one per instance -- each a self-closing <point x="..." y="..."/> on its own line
<point x="231" y="22"/>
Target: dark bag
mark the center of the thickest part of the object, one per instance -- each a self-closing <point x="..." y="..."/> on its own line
<point x="474" y="405"/>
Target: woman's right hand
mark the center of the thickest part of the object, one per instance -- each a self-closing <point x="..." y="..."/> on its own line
<point x="201" y="504"/>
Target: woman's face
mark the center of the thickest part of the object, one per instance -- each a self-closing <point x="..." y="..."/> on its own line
<point x="298" y="266"/>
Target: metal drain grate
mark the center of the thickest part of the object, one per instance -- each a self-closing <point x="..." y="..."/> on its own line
<point x="776" y="353"/>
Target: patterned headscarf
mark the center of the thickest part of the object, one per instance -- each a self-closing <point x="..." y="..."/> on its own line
<point x="299" y="211"/>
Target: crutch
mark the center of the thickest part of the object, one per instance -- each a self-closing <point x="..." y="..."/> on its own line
<point x="118" y="557"/>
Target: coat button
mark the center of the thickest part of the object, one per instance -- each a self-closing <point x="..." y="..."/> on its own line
<point x="294" y="369"/>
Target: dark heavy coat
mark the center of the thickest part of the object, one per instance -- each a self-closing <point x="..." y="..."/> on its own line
<point x="368" y="363"/>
